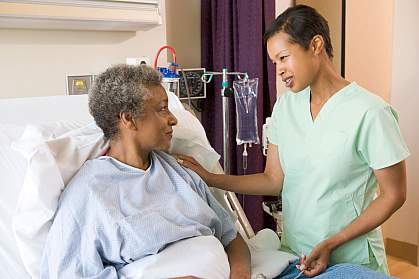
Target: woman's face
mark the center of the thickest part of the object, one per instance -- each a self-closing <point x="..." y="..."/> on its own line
<point x="155" y="126"/>
<point x="295" y="66"/>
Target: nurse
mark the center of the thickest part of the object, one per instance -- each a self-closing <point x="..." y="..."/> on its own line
<point x="331" y="143"/>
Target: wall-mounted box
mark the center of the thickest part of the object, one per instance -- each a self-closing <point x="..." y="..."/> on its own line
<point x="109" y="15"/>
<point x="79" y="85"/>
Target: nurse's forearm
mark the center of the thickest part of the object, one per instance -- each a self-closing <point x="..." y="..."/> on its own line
<point x="267" y="183"/>
<point x="375" y="215"/>
<point x="392" y="181"/>
<point x="253" y="184"/>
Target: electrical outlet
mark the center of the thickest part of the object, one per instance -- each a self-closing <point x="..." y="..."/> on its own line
<point x="144" y="60"/>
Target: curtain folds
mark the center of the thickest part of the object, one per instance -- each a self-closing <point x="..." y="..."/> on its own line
<point x="232" y="37"/>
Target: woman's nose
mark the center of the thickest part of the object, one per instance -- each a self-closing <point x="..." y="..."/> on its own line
<point x="172" y="119"/>
<point x="279" y="70"/>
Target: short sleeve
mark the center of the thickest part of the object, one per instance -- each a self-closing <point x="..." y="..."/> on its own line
<point x="272" y="132"/>
<point x="380" y="142"/>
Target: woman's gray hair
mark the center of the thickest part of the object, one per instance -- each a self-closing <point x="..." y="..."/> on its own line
<point x="121" y="88"/>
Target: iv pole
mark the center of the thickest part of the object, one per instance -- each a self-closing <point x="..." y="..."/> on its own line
<point x="226" y="92"/>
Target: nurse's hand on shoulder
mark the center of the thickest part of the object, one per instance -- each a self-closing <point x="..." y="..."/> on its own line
<point x="318" y="260"/>
<point x="189" y="162"/>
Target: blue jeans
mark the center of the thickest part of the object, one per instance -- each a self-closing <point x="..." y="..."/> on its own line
<point x="338" y="271"/>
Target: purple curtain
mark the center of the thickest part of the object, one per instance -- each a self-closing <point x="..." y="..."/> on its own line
<point x="232" y="37"/>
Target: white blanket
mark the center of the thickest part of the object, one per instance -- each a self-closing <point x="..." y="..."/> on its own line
<point x="201" y="256"/>
<point x="204" y="257"/>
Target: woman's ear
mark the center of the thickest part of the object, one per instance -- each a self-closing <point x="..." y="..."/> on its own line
<point x="127" y="120"/>
<point x="317" y="44"/>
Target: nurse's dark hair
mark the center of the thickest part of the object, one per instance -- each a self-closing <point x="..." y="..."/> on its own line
<point x="121" y="88"/>
<point x="301" y="23"/>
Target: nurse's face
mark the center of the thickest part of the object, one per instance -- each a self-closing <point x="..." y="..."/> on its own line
<point x="155" y="126"/>
<point x="295" y="66"/>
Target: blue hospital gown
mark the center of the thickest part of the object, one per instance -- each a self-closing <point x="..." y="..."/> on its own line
<point x="112" y="214"/>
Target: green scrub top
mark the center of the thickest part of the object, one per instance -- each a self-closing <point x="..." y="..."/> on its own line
<point x="328" y="168"/>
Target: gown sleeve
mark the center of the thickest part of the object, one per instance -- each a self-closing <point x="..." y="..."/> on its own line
<point x="71" y="253"/>
<point x="227" y="232"/>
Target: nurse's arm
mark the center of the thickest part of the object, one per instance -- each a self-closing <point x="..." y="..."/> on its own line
<point x="392" y="184"/>
<point x="267" y="183"/>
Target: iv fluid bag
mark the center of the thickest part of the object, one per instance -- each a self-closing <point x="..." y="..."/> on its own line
<point x="245" y="95"/>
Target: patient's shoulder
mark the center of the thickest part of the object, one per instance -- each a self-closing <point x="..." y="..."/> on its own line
<point x="161" y="155"/>
<point x="169" y="159"/>
<point x="195" y="181"/>
<point x="76" y="192"/>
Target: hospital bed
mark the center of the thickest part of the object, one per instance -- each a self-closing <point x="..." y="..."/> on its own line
<point x="49" y="118"/>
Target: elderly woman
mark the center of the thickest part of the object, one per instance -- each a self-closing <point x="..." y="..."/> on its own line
<point x="135" y="200"/>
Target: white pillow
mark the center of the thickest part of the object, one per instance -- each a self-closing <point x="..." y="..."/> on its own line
<point x="54" y="154"/>
<point x="202" y="257"/>
<point x="51" y="164"/>
<point x="12" y="168"/>
<point x="189" y="138"/>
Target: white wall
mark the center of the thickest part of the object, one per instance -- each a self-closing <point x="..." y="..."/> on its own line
<point x="404" y="225"/>
<point x="368" y="44"/>
<point x="183" y="27"/>
<point x="35" y="62"/>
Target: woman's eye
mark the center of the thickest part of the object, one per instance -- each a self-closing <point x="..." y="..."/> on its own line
<point x="282" y="58"/>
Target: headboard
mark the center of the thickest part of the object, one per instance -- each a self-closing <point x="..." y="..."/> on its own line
<point x="37" y="110"/>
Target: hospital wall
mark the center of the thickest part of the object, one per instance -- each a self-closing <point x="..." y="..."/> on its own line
<point x="36" y="62"/>
<point x="381" y="55"/>
<point x="404" y="96"/>
<point x="369" y="35"/>
<point x="183" y="25"/>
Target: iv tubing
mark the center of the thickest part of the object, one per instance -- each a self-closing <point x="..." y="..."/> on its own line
<point x="172" y="51"/>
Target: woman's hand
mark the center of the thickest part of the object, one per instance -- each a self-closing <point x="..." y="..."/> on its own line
<point x="318" y="260"/>
<point x="192" y="164"/>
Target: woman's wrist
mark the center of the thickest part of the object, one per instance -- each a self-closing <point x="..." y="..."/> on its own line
<point x="209" y="178"/>
<point x="336" y="241"/>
